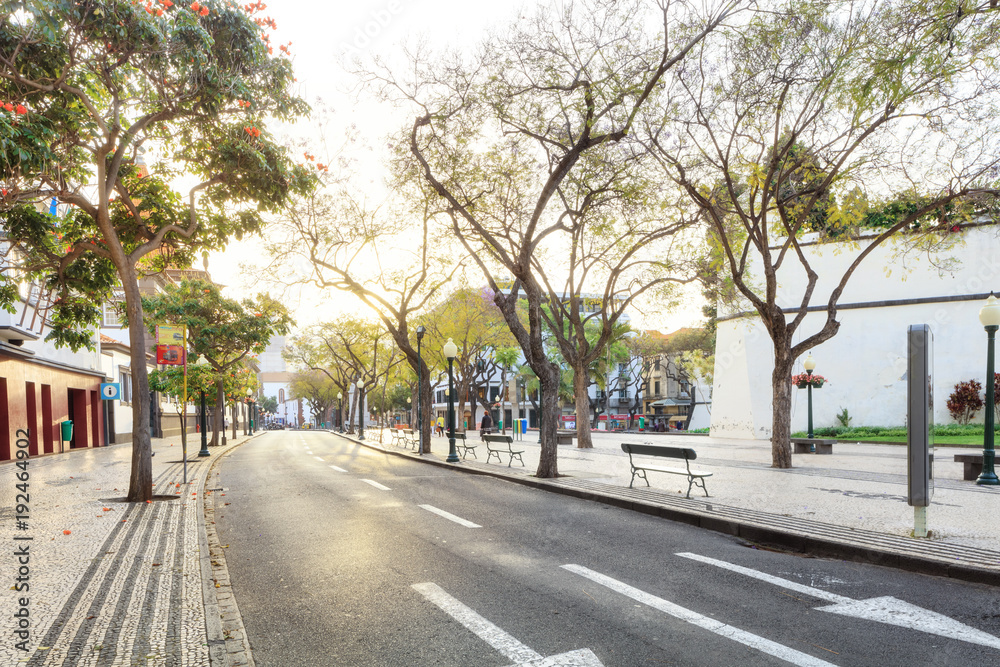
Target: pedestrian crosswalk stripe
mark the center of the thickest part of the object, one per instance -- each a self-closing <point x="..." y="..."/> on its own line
<point x="490" y="633"/>
<point x="729" y="632"/>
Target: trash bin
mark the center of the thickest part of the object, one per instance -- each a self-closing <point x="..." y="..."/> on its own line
<point x="524" y="426"/>
<point x="67" y="430"/>
<point x="642" y="423"/>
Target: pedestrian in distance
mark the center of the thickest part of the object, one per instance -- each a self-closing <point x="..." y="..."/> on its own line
<point x="486" y="426"/>
<point x="440" y="426"/>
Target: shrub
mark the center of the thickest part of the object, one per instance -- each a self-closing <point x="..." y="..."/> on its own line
<point x="965" y="401"/>
<point x="844" y="418"/>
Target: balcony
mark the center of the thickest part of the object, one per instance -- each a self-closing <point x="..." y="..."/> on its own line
<point x="27" y="322"/>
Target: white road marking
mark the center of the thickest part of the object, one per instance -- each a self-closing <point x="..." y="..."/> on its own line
<point x="376" y="485"/>
<point x="499" y="639"/>
<point x="581" y="658"/>
<point x="888" y="610"/>
<point x="485" y="630"/>
<point x="318" y="458"/>
<point x="729" y="632"/>
<point x="450" y="516"/>
<point x="338" y="469"/>
<point x="777" y="581"/>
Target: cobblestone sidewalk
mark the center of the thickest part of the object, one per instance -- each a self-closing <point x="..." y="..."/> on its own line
<point x="110" y="583"/>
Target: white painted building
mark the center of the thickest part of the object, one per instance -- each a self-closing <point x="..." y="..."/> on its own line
<point x="865" y="363"/>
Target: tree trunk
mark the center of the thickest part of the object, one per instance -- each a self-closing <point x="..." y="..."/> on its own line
<point x="219" y="413"/>
<point x="425" y="409"/>
<point x="580" y="385"/>
<point x="141" y="478"/>
<point x="352" y="404"/>
<point x="548" y="377"/>
<point x="781" y="406"/>
<point x="236" y="416"/>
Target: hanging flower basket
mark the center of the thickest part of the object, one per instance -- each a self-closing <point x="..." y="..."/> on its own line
<point x="803" y="380"/>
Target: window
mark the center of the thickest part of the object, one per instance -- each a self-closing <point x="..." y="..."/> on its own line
<point x="656" y="388"/>
<point x="110" y="314"/>
<point x="125" y="379"/>
<point x="656" y="366"/>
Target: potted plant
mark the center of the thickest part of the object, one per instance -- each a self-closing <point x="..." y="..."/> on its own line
<point x="803" y="380"/>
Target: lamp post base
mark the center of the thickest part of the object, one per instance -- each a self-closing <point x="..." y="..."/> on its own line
<point x="988" y="476"/>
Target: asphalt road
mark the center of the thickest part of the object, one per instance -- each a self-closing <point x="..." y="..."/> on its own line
<point x="330" y="569"/>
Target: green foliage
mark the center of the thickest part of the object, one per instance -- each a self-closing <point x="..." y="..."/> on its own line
<point x="171" y="380"/>
<point x="87" y="87"/>
<point x="844" y="418"/>
<point x="224" y="330"/>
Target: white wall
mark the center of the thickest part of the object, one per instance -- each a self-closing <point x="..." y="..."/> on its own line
<point x="865" y="363"/>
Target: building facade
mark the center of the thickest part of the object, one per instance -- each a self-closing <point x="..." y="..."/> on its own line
<point x="865" y="364"/>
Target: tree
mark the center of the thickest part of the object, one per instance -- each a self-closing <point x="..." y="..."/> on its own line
<point x="351" y="352"/>
<point x="526" y="148"/>
<point x="175" y="382"/>
<point x="317" y="388"/>
<point x="88" y="85"/>
<point x="225" y="331"/>
<point x="470" y="319"/>
<point x="836" y="117"/>
<point x="268" y="404"/>
<point x="343" y="242"/>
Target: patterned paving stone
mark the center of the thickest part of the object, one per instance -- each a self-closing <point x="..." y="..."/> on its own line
<point x="115" y="583"/>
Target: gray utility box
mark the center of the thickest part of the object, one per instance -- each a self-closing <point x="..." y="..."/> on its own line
<point x="920" y="415"/>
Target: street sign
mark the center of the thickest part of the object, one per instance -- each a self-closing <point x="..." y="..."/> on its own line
<point x="168" y="334"/>
<point x="111" y="391"/>
<point x="920" y="414"/>
<point x="170" y="355"/>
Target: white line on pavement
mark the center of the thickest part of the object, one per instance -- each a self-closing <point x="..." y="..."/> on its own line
<point x="376" y="485"/>
<point x="729" y="632"/>
<point x="450" y="516"/>
<point x="338" y="469"/>
<point x="485" y="630"/>
<point x="318" y="458"/>
<point x="886" y="609"/>
<point x="777" y="581"/>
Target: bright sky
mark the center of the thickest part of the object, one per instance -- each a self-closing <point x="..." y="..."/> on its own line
<point x="321" y="35"/>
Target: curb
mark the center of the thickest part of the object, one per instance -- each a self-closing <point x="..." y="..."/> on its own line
<point x="750" y="532"/>
<point x="228" y="645"/>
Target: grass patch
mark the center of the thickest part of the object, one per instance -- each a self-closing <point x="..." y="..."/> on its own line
<point x="944" y="434"/>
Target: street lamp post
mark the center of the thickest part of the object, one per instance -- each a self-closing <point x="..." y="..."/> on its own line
<point x="340" y="410"/>
<point x="359" y="386"/>
<point x="204" y="422"/>
<point x="450" y="352"/>
<point x="810" y="365"/>
<point x="249" y="411"/>
<point x="989" y="315"/>
<point x="421" y="330"/>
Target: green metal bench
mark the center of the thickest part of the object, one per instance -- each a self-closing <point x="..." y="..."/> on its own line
<point x="463" y="444"/>
<point x="502" y="444"/>
<point x="639" y="469"/>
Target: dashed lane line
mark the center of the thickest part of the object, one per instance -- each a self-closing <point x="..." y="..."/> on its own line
<point x="451" y="517"/>
<point x="376" y="485"/>
<point x="338" y="469"/>
<point x="729" y="632"/>
<point x="318" y="458"/>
